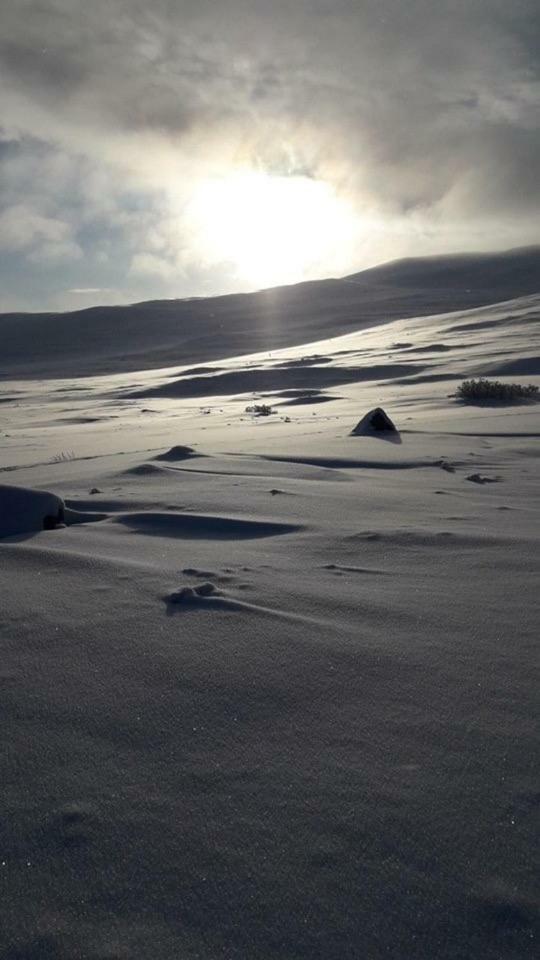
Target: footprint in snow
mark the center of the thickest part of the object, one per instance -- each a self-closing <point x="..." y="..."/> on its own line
<point x="193" y="595"/>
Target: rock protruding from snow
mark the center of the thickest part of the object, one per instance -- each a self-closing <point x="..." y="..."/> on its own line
<point x="23" y="510"/>
<point x="376" y="421"/>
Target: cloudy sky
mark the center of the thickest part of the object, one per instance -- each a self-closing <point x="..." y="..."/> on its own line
<point x="163" y="148"/>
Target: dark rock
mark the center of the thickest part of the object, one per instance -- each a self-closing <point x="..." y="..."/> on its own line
<point x="376" y="421"/>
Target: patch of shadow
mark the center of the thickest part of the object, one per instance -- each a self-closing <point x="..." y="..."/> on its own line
<point x="343" y="463"/>
<point x="226" y="577"/>
<point x="145" y="470"/>
<point x="112" y="505"/>
<point x="431" y="348"/>
<point x="507" y="916"/>
<point x="8" y="399"/>
<point x="480" y="478"/>
<point x="513" y="435"/>
<point x="524" y="366"/>
<point x="477" y="325"/>
<point x="430" y="378"/>
<point x="72" y="390"/>
<point x="311" y="398"/>
<point x="352" y="352"/>
<point x="303" y="362"/>
<point x="294" y="393"/>
<point x="81" y="420"/>
<point x="299" y="397"/>
<point x="275" y="379"/>
<point x="424" y="539"/>
<point x="191" y="526"/>
<point x="351" y="569"/>
<point x="71" y="826"/>
<point x="199" y="371"/>
<point x="73" y="517"/>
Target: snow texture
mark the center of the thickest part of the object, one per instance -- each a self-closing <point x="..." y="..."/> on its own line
<point x="253" y="726"/>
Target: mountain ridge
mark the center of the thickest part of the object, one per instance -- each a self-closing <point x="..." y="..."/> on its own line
<point x="159" y="333"/>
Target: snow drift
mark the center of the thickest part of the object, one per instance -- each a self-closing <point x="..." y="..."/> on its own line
<point x="23" y="510"/>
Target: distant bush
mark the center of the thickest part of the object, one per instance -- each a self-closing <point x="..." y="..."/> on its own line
<point x="259" y="409"/>
<point x="493" y="391"/>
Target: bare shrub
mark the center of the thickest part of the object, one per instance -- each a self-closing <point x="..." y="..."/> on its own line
<point x="259" y="409"/>
<point x="493" y="391"/>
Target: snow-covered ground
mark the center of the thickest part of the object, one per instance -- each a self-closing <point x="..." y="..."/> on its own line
<point x="271" y="696"/>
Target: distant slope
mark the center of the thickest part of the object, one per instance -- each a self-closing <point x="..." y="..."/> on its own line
<point x="170" y="332"/>
<point x="488" y="271"/>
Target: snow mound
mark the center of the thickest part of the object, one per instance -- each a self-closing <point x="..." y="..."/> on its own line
<point x="177" y="453"/>
<point x="23" y="510"/>
<point x="144" y="470"/>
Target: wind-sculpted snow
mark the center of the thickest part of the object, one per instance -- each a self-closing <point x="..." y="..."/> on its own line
<point x="23" y="510"/>
<point x="279" y="701"/>
<point x="177" y="453"/>
<point x="276" y="379"/>
<point x="200" y="526"/>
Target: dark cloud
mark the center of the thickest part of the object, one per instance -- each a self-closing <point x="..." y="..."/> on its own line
<point x="422" y="111"/>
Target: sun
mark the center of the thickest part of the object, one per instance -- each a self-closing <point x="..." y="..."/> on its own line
<point x="271" y="229"/>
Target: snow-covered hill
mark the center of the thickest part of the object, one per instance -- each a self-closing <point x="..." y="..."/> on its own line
<point x="165" y="333"/>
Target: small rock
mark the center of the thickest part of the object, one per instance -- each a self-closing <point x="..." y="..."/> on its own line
<point x="376" y="421"/>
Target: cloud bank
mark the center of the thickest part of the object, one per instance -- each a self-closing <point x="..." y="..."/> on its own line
<point x="422" y="117"/>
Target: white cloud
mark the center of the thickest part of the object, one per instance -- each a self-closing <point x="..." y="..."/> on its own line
<point x="24" y="230"/>
<point x="148" y="264"/>
<point x="88" y="290"/>
<point x="421" y="116"/>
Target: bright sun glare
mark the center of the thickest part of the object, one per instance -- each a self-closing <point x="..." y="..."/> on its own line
<point x="272" y="229"/>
